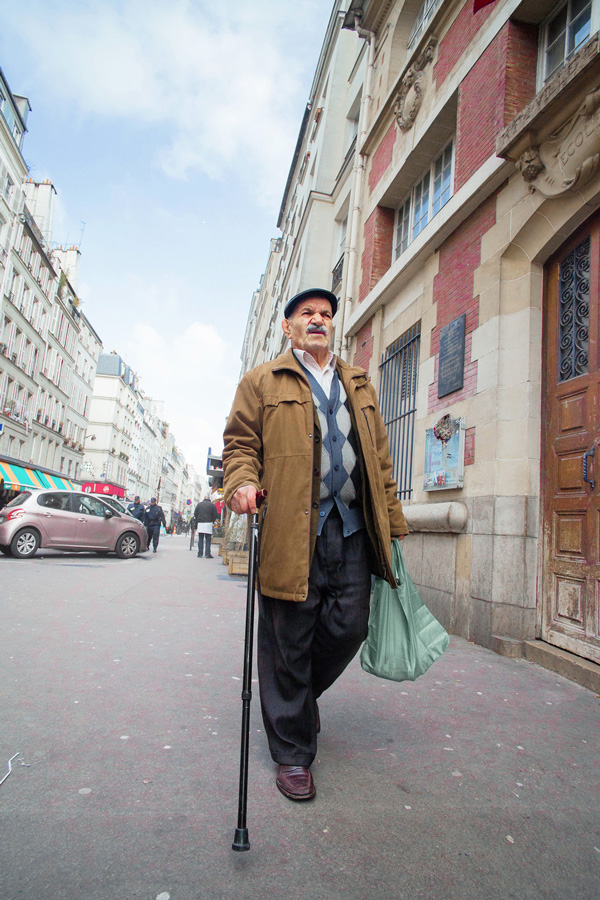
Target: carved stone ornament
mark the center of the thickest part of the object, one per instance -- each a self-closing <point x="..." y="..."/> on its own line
<point x="570" y="157"/>
<point x="410" y="95"/>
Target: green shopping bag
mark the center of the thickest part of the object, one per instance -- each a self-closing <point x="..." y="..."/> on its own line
<point x="404" y="638"/>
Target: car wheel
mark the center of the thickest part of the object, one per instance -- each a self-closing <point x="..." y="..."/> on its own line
<point x="127" y="545"/>
<point x="25" y="543"/>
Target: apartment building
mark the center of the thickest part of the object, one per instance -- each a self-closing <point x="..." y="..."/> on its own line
<point x="48" y="349"/>
<point x="319" y="194"/>
<point x="112" y="414"/>
<point x="471" y="297"/>
<point x="129" y="449"/>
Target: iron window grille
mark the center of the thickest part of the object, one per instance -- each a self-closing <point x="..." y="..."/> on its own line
<point x="398" y="401"/>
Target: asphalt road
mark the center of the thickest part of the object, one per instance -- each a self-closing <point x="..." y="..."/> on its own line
<point x="120" y="691"/>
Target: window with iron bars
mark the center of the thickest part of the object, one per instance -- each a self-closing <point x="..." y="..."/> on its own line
<point x="398" y="402"/>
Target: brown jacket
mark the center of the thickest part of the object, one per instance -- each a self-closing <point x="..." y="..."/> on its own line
<point x="272" y="440"/>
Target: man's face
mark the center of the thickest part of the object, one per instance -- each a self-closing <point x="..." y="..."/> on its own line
<point x="310" y="327"/>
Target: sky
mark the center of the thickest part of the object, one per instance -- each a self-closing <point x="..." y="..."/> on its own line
<point x="168" y="129"/>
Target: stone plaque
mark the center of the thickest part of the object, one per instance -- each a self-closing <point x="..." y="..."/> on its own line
<point x="452" y="357"/>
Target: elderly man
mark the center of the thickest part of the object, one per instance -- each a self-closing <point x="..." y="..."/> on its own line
<point x="307" y="428"/>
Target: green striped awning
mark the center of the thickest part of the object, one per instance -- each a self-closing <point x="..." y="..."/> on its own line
<point x="23" y="477"/>
<point x="57" y="482"/>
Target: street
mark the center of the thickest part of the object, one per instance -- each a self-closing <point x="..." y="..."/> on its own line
<point x="120" y="692"/>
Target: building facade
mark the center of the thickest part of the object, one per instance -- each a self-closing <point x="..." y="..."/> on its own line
<point x="129" y="445"/>
<point x="470" y="294"/>
<point x="44" y="399"/>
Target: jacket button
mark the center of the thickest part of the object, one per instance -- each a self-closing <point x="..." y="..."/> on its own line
<point x="315" y="505"/>
<point x="317" y="438"/>
<point x="305" y="512"/>
<point x="316" y="472"/>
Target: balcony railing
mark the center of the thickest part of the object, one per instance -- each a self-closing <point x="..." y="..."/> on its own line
<point x="336" y="275"/>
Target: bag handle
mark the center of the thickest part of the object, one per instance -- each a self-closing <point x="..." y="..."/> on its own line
<point x="398" y="564"/>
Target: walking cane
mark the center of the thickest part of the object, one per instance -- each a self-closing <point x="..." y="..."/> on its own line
<point x="240" y="840"/>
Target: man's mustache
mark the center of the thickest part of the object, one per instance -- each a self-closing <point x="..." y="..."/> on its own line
<point x="316" y="329"/>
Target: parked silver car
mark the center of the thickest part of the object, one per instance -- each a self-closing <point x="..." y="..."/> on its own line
<point x="68" y="520"/>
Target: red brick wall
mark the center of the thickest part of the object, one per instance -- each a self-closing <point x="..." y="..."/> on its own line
<point x="521" y="68"/>
<point x="460" y="255"/>
<point x="501" y="82"/>
<point x="457" y="39"/>
<point x="470" y="447"/>
<point x="382" y="158"/>
<point x="364" y="346"/>
<point x="377" y="254"/>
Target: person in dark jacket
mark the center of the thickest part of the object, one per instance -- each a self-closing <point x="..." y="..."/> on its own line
<point x="204" y="515"/>
<point x="154" y="517"/>
<point x="137" y="509"/>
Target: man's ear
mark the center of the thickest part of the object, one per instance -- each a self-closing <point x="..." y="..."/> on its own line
<point x="286" y="327"/>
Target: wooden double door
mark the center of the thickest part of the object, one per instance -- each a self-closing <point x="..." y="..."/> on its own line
<point x="570" y="476"/>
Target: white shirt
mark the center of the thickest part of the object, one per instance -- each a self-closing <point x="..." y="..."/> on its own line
<point x="323" y="376"/>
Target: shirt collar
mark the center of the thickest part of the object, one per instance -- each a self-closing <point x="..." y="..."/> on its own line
<point x="309" y="362"/>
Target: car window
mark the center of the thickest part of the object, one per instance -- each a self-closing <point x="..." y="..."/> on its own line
<point x="55" y="501"/>
<point x="20" y="498"/>
<point x="90" y="506"/>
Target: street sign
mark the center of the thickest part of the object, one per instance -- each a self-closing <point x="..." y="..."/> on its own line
<point x="1" y="427"/>
<point x="188" y="502"/>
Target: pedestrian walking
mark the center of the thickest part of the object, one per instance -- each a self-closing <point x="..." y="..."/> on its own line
<point x="154" y="517"/>
<point x="137" y="509"/>
<point x="307" y="428"/>
<point x="205" y="514"/>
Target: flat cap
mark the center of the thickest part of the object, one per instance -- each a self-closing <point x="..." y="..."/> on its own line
<point x="310" y="292"/>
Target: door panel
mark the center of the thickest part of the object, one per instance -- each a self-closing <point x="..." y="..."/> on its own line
<point x="57" y="522"/>
<point x="94" y="530"/>
<point x="570" y="419"/>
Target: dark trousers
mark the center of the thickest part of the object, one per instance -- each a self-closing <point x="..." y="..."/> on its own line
<point x="204" y="541"/>
<point x="303" y="647"/>
<point x="153" y="535"/>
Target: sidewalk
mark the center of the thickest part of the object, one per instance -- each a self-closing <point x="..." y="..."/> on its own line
<point x="120" y="688"/>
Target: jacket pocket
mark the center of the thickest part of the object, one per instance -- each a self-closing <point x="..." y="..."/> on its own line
<point x="287" y="428"/>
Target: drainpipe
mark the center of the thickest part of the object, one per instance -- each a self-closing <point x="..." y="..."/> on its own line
<point x="350" y="262"/>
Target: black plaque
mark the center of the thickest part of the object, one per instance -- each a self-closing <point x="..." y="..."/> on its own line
<point x="452" y="357"/>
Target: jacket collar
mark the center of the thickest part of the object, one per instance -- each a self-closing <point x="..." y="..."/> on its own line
<point x="287" y="361"/>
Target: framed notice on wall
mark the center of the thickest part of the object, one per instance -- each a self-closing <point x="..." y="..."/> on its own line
<point x="451" y="364"/>
<point x="445" y="461"/>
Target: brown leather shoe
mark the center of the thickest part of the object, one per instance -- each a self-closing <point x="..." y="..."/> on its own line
<point x="296" y="782"/>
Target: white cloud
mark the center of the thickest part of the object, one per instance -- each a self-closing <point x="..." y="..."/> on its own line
<point x="220" y="80"/>
<point x="195" y="370"/>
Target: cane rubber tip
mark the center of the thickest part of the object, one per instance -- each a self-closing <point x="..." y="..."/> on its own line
<point x="240" y="840"/>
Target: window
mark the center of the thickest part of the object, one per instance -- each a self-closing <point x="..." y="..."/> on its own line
<point x="398" y="402"/>
<point x="425" y="13"/>
<point x="55" y="501"/>
<point x="565" y="32"/>
<point x="90" y="506"/>
<point x="426" y="198"/>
